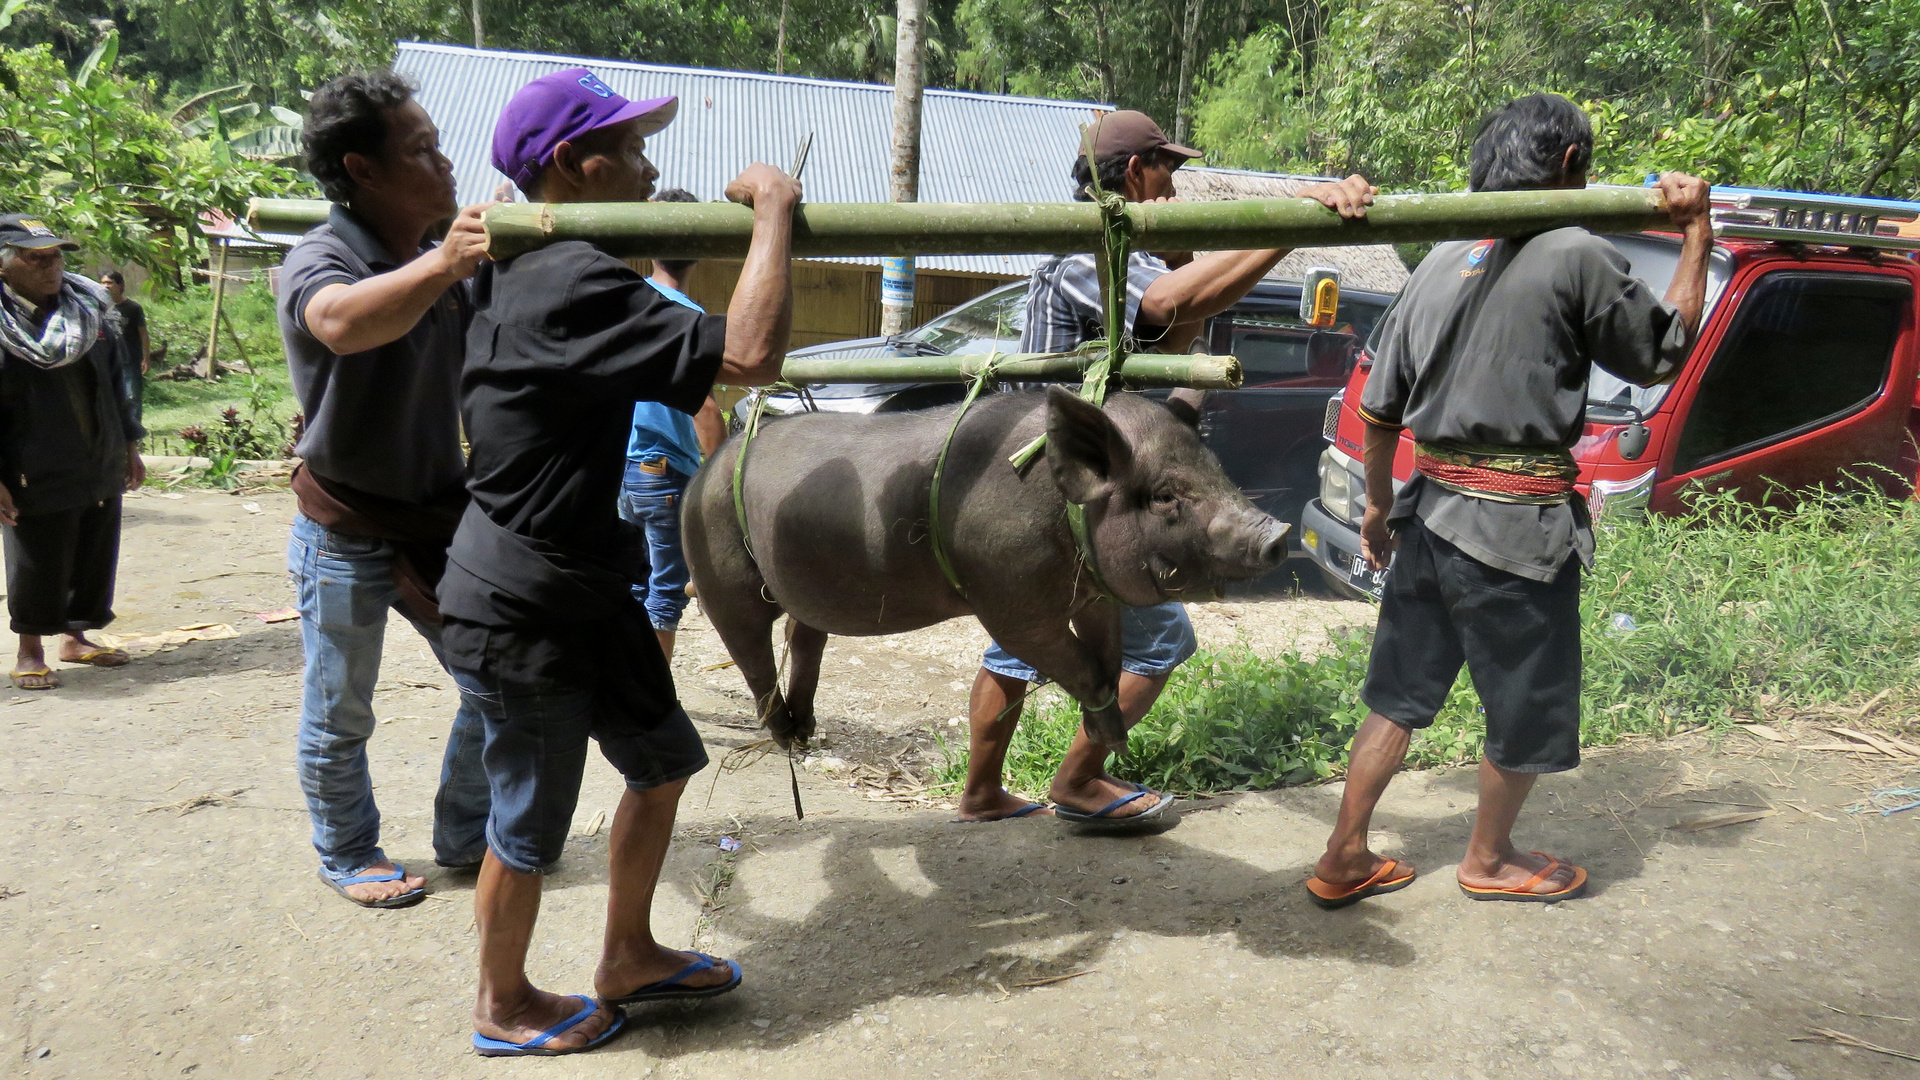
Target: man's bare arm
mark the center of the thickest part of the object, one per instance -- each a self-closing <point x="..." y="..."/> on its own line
<point x="760" y="315"/>
<point x="1213" y="283"/>
<point x="1689" y="207"/>
<point x="1376" y="540"/>
<point x="372" y="312"/>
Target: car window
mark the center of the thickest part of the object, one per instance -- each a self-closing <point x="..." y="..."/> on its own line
<point x="1276" y="349"/>
<point x="1653" y="261"/>
<point x="1804" y="349"/>
<point x="986" y="323"/>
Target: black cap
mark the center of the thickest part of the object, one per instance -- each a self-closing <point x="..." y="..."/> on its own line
<point x="29" y="232"/>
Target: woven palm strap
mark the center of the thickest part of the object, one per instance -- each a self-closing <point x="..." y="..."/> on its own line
<point x="1509" y="474"/>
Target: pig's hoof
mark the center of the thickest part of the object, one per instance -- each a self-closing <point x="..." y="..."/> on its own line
<point x="1107" y="729"/>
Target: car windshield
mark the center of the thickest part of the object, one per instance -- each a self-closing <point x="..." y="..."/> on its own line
<point x="1653" y="261"/>
<point x="987" y="324"/>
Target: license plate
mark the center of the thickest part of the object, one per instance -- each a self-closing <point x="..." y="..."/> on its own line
<point x="1364" y="578"/>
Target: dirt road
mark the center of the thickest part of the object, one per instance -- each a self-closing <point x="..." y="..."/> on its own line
<point x="162" y="919"/>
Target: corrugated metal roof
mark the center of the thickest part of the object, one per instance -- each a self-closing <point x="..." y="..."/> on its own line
<point x="974" y="147"/>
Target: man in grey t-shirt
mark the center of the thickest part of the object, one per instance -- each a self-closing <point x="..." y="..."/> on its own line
<point x="1484" y="360"/>
<point x="374" y="317"/>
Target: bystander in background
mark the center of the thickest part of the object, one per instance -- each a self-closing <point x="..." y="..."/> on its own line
<point x="663" y="453"/>
<point x="68" y="449"/>
<point x="134" y="339"/>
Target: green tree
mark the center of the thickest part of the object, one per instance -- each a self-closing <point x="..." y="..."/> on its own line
<point x="89" y="152"/>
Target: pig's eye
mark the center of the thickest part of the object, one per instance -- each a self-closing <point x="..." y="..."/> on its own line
<point x="1166" y="502"/>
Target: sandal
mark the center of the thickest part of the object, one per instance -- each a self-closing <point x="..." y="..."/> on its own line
<point x="101" y="656"/>
<point x="405" y="899"/>
<point x="1525" y="894"/>
<point x="674" y="987"/>
<point x="47" y="680"/>
<point x="537" y="1046"/>
<point x="1388" y="878"/>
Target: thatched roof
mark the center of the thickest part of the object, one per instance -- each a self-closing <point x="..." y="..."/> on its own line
<point x="1376" y="267"/>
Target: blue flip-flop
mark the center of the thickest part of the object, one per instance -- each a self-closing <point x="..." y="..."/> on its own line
<point x="405" y="899"/>
<point x="1102" y="820"/>
<point x="537" y="1046"/>
<point x="674" y="988"/>
<point x="1030" y="808"/>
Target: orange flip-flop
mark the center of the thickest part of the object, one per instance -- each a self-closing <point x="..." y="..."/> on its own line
<point x="1388" y="878"/>
<point x="1524" y="893"/>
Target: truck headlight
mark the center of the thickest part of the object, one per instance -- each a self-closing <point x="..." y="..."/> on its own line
<point x="1620" y="498"/>
<point x="1336" y="485"/>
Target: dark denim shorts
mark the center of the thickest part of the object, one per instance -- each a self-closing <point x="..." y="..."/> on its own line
<point x="536" y="754"/>
<point x="1519" y="638"/>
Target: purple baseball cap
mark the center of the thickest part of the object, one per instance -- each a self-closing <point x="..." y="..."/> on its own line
<point x="564" y="105"/>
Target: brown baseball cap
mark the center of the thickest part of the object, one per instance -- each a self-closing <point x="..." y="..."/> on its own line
<point x="1131" y="133"/>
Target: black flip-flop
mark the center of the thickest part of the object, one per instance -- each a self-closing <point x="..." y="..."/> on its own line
<point x="674" y="988"/>
<point x="1102" y="820"/>
<point x="405" y="899"/>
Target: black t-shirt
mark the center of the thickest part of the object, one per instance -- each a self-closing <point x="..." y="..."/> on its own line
<point x="133" y="319"/>
<point x="564" y="340"/>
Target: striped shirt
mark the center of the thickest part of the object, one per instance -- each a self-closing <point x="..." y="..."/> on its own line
<point x="1063" y="301"/>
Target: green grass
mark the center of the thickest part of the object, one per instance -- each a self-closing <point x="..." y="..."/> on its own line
<point x="1739" y="611"/>
<point x="179" y="319"/>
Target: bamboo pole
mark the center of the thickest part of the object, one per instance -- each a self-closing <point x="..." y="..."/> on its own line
<point x="723" y="230"/>
<point x="1141" y="370"/>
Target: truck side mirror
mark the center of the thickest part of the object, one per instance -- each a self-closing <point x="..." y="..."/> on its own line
<point x="1633" y="441"/>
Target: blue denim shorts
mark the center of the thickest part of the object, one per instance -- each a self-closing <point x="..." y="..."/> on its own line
<point x="536" y="754"/>
<point x="1153" y="641"/>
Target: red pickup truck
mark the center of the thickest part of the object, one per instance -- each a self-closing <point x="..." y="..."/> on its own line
<point x="1804" y="371"/>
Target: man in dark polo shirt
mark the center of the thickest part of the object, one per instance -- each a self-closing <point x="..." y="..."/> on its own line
<point x="374" y="316"/>
<point x="1485" y="359"/>
<point x="543" y="633"/>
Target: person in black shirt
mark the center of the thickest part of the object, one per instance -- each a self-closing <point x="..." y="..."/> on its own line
<point x="133" y="336"/>
<point x="543" y="634"/>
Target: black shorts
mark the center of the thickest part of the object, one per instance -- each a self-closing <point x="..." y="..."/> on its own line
<point x="1519" y="638"/>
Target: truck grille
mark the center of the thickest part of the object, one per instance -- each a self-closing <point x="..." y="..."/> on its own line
<point x="1331" y="423"/>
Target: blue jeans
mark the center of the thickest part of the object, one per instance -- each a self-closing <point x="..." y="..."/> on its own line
<point x="652" y="501"/>
<point x="1153" y="641"/>
<point x="536" y="755"/>
<point x="346" y="586"/>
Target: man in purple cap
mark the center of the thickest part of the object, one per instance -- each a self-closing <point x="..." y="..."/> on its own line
<point x="543" y="635"/>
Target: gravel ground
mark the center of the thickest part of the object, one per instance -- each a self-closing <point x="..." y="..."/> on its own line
<point x="161" y="918"/>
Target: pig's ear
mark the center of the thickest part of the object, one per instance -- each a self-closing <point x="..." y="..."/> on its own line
<point x="1185" y="404"/>
<point x="1088" y="454"/>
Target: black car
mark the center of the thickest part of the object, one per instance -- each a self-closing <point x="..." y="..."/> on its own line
<point x="1267" y="434"/>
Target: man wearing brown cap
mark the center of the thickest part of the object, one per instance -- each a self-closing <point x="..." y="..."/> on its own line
<point x="1165" y="310"/>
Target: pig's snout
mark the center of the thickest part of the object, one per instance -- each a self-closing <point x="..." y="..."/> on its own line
<point x="1249" y="544"/>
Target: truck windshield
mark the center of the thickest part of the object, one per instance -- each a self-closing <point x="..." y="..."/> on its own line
<point x="990" y="323"/>
<point x="1652" y="259"/>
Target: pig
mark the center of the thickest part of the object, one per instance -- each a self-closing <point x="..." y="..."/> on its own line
<point x="837" y="517"/>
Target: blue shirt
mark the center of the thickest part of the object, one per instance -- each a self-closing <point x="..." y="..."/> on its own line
<point x="662" y="431"/>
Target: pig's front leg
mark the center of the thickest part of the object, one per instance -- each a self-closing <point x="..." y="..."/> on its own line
<point x="1081" y="655"/>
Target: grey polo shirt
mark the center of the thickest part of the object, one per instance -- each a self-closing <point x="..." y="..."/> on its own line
<point x="1491" y="343"/>
<point x="385" y="421"/>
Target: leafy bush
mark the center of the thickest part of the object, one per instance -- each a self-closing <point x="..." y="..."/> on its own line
<point x="1732" y="609"/>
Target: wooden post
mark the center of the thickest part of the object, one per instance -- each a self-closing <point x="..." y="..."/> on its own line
<point x="909" y="78"/>
<point x="213" y="324"/>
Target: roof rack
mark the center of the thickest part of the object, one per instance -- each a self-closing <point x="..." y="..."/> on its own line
<point x="1800" y="217"/>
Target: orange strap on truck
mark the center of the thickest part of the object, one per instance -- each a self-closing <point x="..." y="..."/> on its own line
<point x="1509" y="474"/>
